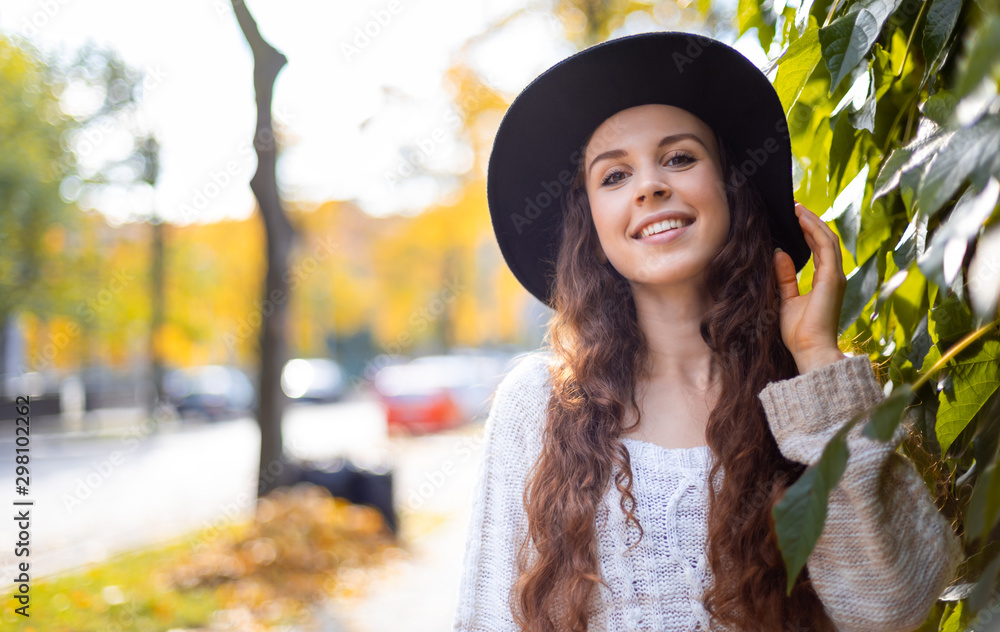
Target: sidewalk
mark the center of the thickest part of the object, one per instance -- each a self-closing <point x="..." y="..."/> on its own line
<point x="419" y="591"/>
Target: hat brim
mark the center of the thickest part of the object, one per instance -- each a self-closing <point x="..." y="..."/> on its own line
<point x="536" y="150"/>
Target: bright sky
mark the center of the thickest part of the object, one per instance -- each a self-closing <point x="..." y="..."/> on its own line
<point x="353" y="117"/>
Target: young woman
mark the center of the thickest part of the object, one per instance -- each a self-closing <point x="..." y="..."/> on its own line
<point x="642" y="189"/>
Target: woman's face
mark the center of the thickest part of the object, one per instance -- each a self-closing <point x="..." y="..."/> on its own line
<point x="636" y="181"/>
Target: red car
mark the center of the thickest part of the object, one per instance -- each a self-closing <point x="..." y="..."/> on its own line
<point x="416" y="400"/>
<point x="433" y="393"/>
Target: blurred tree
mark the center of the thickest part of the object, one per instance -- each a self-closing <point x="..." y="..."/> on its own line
<point x="268" y="62"/>
<point x="40" y="175"/>
<point x="33" y="164"/>
<point x="149" y="153"/>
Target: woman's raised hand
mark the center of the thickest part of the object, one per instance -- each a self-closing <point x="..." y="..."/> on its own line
<point x="809" y="322"/>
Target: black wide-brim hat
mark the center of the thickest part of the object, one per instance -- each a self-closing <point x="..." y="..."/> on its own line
<point x="538" y="145"/>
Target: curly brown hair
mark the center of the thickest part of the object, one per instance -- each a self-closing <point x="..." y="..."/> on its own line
<point x="599" y="353"/>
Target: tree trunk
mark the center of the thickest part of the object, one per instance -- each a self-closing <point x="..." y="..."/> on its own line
<point x="280" y="234"/>
<point x="156" y="370"/>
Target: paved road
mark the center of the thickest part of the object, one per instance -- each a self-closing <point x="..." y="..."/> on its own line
<point x="95" y="497"/>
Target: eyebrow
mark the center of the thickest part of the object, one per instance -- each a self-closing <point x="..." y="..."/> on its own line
<point x="666" y="140"/>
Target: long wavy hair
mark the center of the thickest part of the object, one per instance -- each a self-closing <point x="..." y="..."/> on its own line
<point x="599" y="355"/>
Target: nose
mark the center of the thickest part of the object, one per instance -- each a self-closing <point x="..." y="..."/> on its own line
<point x="652" y="186"/>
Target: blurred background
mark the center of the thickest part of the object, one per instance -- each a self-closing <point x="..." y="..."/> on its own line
<point x="259" y="329"/>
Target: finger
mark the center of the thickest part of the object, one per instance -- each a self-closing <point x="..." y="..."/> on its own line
<point x="827" y="243"/>
<point x="788" y="286"/>
<point x="832" y="245"/>
<point x="823" y="226"/>
<point x="808" y="230"/>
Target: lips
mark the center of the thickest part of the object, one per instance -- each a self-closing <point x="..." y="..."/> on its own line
<point x="665" y="237"/>
<point x="659" y="217"/>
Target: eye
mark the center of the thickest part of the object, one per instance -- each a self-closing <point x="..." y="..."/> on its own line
<point x="613" y="173"/>
<point x="686" y="157"/>
<point x="682" y="154"/>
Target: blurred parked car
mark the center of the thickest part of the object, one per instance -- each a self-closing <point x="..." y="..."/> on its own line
<point x="438" y="392"/>
<point x="214" y="391"/>
<point x="313" y="380"/>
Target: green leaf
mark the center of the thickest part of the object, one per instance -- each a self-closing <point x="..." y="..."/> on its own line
<point x="943" y="259"/>
<point x="841" y="149"/>
<point x="858" y="92"/>
<point x="941" y="19"/>
<point x="975" y="375"/>
<point x="846" y="211"/>
<point x="909" y="300"/>
<point x="797" y="65"/>
<point x="861" y="286"/>
<point x="861" y="99"/>
<point x="749" y="15"/>
<point x="908" y="158"/>
<point x="846" y="40"/>
<point x="920" y="344"/>
<point x="951" y="319"/>
<point x="954" y="621"/>
<point x="908" y="183"/>
<point x="864" y="117"/>
<point x="802" y="14"/>
<point x="801" y="512"/>
<point x="889" y="288"/>
<point x="882" y="71"/>
<point x="911" y="244"/>
<point x="940" y="107"/>
<point x="888" y="413"/>
<point x="984" y="508"/>
<point x="888" y="176"/>
<point x="968" y="150"/>
<point x="984" y="274"/>
<point x="985" y="586"/>
<point x="981" y="60"/>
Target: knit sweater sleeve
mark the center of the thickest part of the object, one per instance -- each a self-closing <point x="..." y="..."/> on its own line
<point x="885" y="553"/>
<point x="498" y="523"/>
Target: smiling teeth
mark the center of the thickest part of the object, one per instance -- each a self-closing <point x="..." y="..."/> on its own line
<point x="666" y="224"/>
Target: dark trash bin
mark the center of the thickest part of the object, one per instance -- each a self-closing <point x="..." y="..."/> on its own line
<point x="346" y="479"/>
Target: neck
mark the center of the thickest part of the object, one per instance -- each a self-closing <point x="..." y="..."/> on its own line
<point x="670" y="317"/>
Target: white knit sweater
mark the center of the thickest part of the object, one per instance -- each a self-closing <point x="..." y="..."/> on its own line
<point x="883" y="558"/>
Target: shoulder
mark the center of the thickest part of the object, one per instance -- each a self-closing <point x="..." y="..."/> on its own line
<point x="520" y="402"/>
<point x="528" y="370"/>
